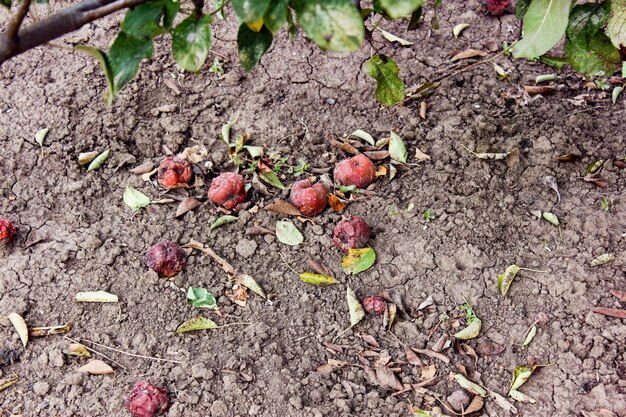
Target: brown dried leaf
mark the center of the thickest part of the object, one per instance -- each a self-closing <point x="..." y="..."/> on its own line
<point x="343" y="146"/>
<point x="143" y="168"/>
<point x="540" y="89"/>
<point x="194" y="154"/>
<point x="49" y="330"/>
<point x="411" y="357"/>
<point x="381" y="171"/>
<point x="171" y="84"/>
<point x="258" y="230"/>
<point x="369" y="339"/>
<point x="428" y="372"/>
<point x="619" y="294"/>
<point x="318" y="267"/>
<point x="187" y="205"/>
<point x="570" y="157"/>
<point x="96" y="367"/>
<point x="421" y="156"/>
<point x="146" y="176"/>
<point x="468" y="53"/>
<point x="441" y="343"/>
<point x="387" y="379"/>
<point x="336" y="203"/>
<point x="283" y="207"/>
<point x="476" y="405"/>
<point x="467" y="350"/>
<point x="489" y="348"/>
<point x="423" y="108"/>
<point x="596" y="180"/>
<point x="332" y="347"/>
<point x="432" y="354"/>
<point x="377" y="155"/>
<point x="612" y="312"/>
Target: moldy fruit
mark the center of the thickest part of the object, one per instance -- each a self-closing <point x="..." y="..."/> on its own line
<point x="228" y="190"/>
<point x="146" y="400"/>
<point x="174" y="171"/>
<point x="310" y="199"/>
<point x="351" y="234"/>
<point x="166" y="258"/>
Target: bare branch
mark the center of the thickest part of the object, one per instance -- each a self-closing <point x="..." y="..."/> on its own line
<point x="57" y="25"/>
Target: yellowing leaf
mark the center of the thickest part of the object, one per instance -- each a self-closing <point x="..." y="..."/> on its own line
<point x="249" y="282"/>
<point x="354" y="306"/>
<point x="317" y="279"/>
<point x="473" y="324"/>
<point x="358" y="260"/>
<point x="7" y="382"/>
<point x="78" y="350"/>
<point x="20" y="327"/>
<point x="603" y="259"/>
<point x="197" y="323"/>
<point x="469" y="385"/>
<point x="551" y="218"/>
<point x="49" y="330"/>
<point x="256" y="26"/>
<point x="506" y="278"/>
<point x="135" y="199"/>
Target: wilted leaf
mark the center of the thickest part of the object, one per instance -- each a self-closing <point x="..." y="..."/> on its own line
<point x="7" y="382"/>
<point x="521" y="375"/>
<point x="473" y="324"/>
<point x="20" y="327"/>
<point x="489" y="348"/>
<point x="551" y="218"/>
<point x="393" y="38"/>
<point x="96" y="367"/>
<point x="96" y="297"/>
<point x="358" y="260"/>
<point x="99" y="160"/>
<point x="288" y="233"/>
<point x="390" y="88"/>
<point x="317" y="279"/>
<point x="387" y="379"/>
<point x="250" y="283"/>
<point x="458" y="29"/>
<point x="354" y="306"/>
<point x="500" y="72"/>
<point x="201" y="298"/>
<point x="397" y="149"/>
<point x="506" y="279"/>
<point x="49" y="330"/>
<point x="603" y="259"/>
<point x="197" y="323"/>
<point x="283" y="207"/>
<point x="222" y="220"/>
<point x="86" y="157"/>
<point x="392" y="310"/>
<point x="530" y="336"/>
<point x="468" y="53"/>
<point x="78" y="350"/>
<point x="135" y="199"/>
<point x="469" y="385"/>
<point x="363" y="135"/>
<point x="187" y="205"/>
<point x="421" y="156"/>
<point x="336" y="203"/>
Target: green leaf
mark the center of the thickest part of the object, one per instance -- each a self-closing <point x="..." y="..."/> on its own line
<point x="358" y="260"/>
<point x="222" y="220"/>
<point x="334" y="25"/>
<point x="145" y="19"/>
<point x="40" y="136"/>
<point x="616" y="27"/>
<point x="363" y="135"/>
<point x="469" y="385"/>
<point x="219" y="5"/>
<point x="288" y="233"/>
<point x="6" y="3"/>
<point x="98" y="161"/>
<point x="250" y="10"/>
<point x="400" y="8"/>
<point x="506" y="279"/>
<point x="271" y="178"/>
<point x="616" y="92"/>
<point x="554" y="61"/>
<point x="390" y="88"/>
<point x="135" y="199"/>
<point x="250" y="283"/>
<point x="252" y="45"/>
<point x="191" y="41"/>
<point x="397" y="149"/>
<point x="354" y="307"/>
<point x="603" y="260"/>
<point x="197" y="323"/>
<point x="255" y="151"/>
<point x="588" y="49"/>
<point x="521" y="7"/>
<point x="276" y="15"/>
<point x="125" y="55"/>
<point x="201" y="298"/>
<point x="551" y="218"/>
<point x="544" y="25"/>
<point x="106" y="68"/>
<point x="317" y="279"/>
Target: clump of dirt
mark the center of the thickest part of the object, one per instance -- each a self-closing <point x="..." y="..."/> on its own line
<point x="75" y="233"/>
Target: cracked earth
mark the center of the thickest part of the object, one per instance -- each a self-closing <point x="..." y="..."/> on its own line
<point x="75" y="233"/>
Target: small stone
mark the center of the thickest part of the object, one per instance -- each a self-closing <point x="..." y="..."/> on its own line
<point x="41" y="388"/>
<point x="246" y="248"/>
<point x="219" y="409"/>
<point x="76" y="378"/>
<point x="56" y="358"/>
<point x="459" y="400"/>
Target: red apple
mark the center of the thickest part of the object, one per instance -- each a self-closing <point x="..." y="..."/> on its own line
<point x="166" y="258"/>
<point x="311" y="199"/>
<point x="228" y="190"/>
<point x="374" y="305"/>
<point x="147" y="400"/>
<point x="497" y="7"/>
<point x="359" y="171"/>
<point x="350" y="234"/>
<point x="173" y="172"/>
<point x="7" y="230"/>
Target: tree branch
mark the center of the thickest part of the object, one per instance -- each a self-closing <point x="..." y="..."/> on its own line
<point x="18" y="19"/>
<point x="57" y="25"/>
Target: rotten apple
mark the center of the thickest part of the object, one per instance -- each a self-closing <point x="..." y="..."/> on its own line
<point x="351" y="234"/>
<point x="173" y="172"/>
<point x="228" y="190"/>
<point x="359" y="171"/>
<point x="166" y="258"/>
<point x="7" y="231"/>
<point x="311" y="199"/>
<point x="374" y="305"/>
<point x="147" y="400"/>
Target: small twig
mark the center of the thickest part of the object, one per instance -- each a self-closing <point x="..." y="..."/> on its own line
<point x="18" y="19"/>
<point x="97" y="353"/>
<point x="132" y="354"/>
<point x="396" y="337"/>
<point x="287" y="263"/>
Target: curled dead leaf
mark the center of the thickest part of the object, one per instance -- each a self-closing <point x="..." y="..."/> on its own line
<point x="468" y="53"/>
<point x="143" y="168"/>
<point x="540" y="89"/>
<point x="96" y="367"/>
<point x="187" y="205"/>
<point x="336" y="203"/>
<point x="283" y="207"/>
<point x="377" y="155"/>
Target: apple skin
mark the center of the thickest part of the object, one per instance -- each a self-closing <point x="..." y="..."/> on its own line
<point x="7" y="230"/>
<point x="310" y="199"/>
<point x="351" y="234"/>
<point x="228" y="190"/>
<point x="147" y="400"/>
<point x="359" y="171"/>
<point x="166" y="258"/>
<point x="173" y="172"/>
<point x="374" y="305"/>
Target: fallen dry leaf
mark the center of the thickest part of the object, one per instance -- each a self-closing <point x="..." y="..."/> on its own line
<point x="332" y="347"/>
<point x="428" y="372"/>
<point x="432" y="354"/>
<point x="489" y="348"/>
<point x="336" y="203"/>
<point x="421" y="156"/>
<point x="596" y="180"/>
<point x="194" y="154"/>
<point x="318" y="267"/>
<point x="96" y="367"/>
<point x="49" y="330"/>
<point x="411" y="357"/>
<point x="381" y="171"/>
<point x="283" y="207"/>
<point x="188" y="204"/>
<point x="612" y="312"/>
<point x="619" y="294"/>
<point x="377" y="155"/>
<point x="259" y="230"/>
<point x="468" y="53"/>
<point x="343" y="146"/>
<point x="387" y="379"/>
<point x="143" y="168"/>
<point x="423" y="108"/>
<point x="540" y="89"/>
<point x="171" y="84"/>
